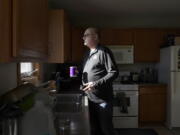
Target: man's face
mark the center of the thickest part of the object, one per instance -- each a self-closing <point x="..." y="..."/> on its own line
<point x="90" y="38"/>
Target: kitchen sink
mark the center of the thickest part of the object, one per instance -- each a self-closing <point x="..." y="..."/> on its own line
<point x="68" y="103"/>
<point x="71" y="114"/>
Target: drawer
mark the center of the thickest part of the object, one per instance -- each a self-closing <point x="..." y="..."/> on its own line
<point x="125" y="122"/>
<point x="152" y="90"/>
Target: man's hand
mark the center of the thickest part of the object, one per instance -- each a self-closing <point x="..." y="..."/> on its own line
<point x="89" y="86"/>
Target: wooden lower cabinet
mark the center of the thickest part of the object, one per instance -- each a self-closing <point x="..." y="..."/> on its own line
<point x="152" y="103"/>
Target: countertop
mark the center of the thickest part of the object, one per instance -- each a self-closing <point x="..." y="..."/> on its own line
<point x="71" y="91"/>
<point x="152" y="84"/>
<point x="66" y="91"/>
<point x="79" y="124"/>
<point x="141" y="84"/>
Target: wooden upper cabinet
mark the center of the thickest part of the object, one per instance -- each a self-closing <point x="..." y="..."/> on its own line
<point x="172" y="31"/>
<point x="5" y="30"/>
<point x="59" y="48"/>
<point x="30" y="28"/>
<point x="23" y="30"/>
<point x="116" y="36"/>
<point x="147" y="44"/>
<point x="175" y="32"/>
<point x="78" y="48"/>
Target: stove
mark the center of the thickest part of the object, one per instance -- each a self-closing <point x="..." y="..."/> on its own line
<point x="125" y="105"/>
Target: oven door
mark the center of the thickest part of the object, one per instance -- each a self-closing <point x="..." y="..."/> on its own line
<point x="131" y="104"/>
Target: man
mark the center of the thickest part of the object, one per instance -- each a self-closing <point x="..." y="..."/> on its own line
<point x="99" y="71"/>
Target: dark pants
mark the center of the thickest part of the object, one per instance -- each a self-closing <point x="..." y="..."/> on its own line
<point x="101" y="119"/>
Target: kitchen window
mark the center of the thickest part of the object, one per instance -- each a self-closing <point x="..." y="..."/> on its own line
<point x="26" y="67"/>
<point x="29" y="72"/>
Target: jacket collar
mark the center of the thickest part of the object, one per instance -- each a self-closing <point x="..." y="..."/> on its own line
<point x="95" y="51"/>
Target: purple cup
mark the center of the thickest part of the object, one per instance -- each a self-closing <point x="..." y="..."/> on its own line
<point x="72" y="71"/>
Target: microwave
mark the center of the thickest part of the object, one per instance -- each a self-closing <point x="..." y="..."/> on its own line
<point x="123" y="54"/>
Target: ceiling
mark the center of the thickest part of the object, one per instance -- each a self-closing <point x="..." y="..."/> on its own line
<point x="121" y="13"/>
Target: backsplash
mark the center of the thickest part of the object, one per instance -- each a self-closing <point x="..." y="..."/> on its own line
<point x="138" y="73"/>
<point x="47" y="69"/>
<point x="8" y="76"/>
<point x="136" y="67"/>
<point x="8" y="72"/>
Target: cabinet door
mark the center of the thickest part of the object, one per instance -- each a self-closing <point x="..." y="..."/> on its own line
<point x="30" y="28"/>
<point x="172" y="31"/>
<point x="78" y="48"/>
<point x="5" y="30"/>
<point x="152" y="104"/>
<point x="152" y="108"/>
<point x="116" y="36"/>
<point x="147" y="45"/>
<point x="59" y="37"/>
<point x="67" y="39"/>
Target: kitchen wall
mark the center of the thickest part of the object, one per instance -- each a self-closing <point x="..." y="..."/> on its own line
<point x="8" y="76"/>
<point x="136" y="67"/>
<point x="141" y="22"/>
<point x="148" y="76"/>
<point x="8" y="72"/>
<point x="47" y="69"/>
<point x="127" y="16"/>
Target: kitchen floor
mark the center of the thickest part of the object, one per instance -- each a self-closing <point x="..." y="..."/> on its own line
<point x="162" y="130"/>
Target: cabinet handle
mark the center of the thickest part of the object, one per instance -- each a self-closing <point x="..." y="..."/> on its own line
<point x="173" y="83"/>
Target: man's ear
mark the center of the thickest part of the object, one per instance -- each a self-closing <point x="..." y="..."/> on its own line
<point x="96" y="37"/>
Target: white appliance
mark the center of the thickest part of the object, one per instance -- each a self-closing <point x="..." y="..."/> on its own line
<point x="123" y="54"/>
<point x="127" y="119"/>
<point x="169" y="73"/>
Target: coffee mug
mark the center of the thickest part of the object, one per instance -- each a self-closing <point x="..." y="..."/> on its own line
<point x="73" y="71"/>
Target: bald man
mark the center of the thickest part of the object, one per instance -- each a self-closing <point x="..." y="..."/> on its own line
<point x="99" y="71"/>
